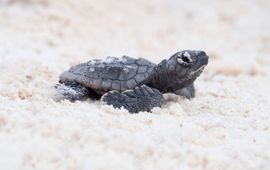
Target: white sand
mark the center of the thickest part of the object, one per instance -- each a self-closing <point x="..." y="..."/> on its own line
<point x="227" y="126"/>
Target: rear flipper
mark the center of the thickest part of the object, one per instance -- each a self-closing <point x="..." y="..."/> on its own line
<point x="188" y="92"/>
<point x="73" y="91"/>
<point x="142" y="98"/>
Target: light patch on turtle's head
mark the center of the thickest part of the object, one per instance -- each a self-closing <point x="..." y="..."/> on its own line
<point x="184" y="58"/>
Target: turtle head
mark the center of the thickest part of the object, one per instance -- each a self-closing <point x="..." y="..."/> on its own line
<point x="186" y="66"/>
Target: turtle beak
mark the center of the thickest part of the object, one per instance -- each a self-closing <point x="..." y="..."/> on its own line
<point x="204" y="59"/>
<point x="198" y="71"/>
<point x="202" y="56"/>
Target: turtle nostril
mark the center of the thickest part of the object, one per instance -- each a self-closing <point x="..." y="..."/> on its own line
<point x="199" y="53"/>
<point x="202" y="53"/>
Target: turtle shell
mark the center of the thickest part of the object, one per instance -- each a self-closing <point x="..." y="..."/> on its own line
<point x="110" y="74"/>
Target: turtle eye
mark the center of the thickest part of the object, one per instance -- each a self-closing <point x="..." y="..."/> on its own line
<point x="185" y="59"/>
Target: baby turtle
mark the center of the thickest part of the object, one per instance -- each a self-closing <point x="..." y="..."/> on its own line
<point x="135" y="84"/>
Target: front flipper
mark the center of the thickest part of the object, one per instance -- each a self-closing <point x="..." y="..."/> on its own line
<point x="73" y="91"/>
<point x="188" y="92"/>
<point x="142" y="98"/>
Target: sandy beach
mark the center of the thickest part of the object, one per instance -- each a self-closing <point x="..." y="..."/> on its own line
<point x="225" y="127"/>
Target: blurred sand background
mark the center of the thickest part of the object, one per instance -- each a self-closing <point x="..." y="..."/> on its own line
<point x="227" y="126"/>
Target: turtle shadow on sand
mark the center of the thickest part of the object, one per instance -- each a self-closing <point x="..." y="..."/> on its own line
<point x="135" y="84"/>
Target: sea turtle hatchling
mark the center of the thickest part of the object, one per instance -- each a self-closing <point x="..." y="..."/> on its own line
<point x="135" y="84"/>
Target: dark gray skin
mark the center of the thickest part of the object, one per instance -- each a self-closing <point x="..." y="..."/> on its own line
<point x="135" y="84"/>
